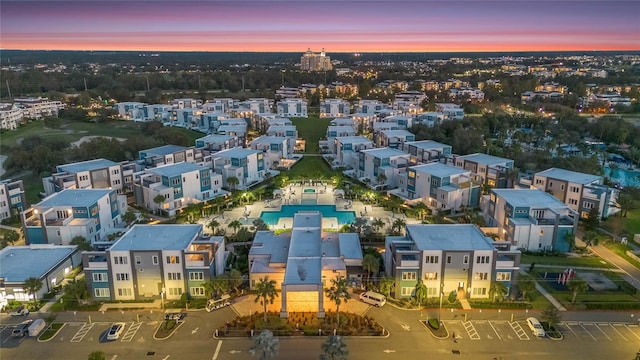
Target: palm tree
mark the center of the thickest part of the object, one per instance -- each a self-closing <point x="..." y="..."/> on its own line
<point x="214" y="286"/>
<point x="526" y="285"/>
<point x="577" y="285"/>
<point x="377" y="224"/>
<point x="334" y="349"/>
<point x="551" y="315"/>
<point x="370" y="264"/>
<point x="77" y="289"/>
<point x="387" y="283"/>
<point x="82" y="243"/>
<point x="213" y="224"/>
<point x="590" y="238"/>
<point x="265" y="293"/>
<point x="626" y="203"/>
<point x="498" y="291"/>
<point x="421" y="209"/>
<point x="233" y="182"/>
<point x="33" y="285"/>
<point x="381" y="178"/>
<point x="570" y="239"/>
<point x="398" y="225"/>
<point x="421" y="292"/>
<point x="511" y="175"/>
<point x="158" y="200"/>
<point x="338" y="292"/>
<point x="265" y="345"/>
<point x="235" y="225"/>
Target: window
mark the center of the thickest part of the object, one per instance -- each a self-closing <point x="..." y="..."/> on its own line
<point x="122" y="277"/>
<point x="197" y="291"/>
<point x="479" y="291"/>
<point x="574" y="189"/>
<point x="587" y="205"/>
<point x="124" y="292"/>
<point x="482" y="259"/>
<point x="174" y="276"/>
<point x="407" y="291"/>
<point x="120" y="260"/>
<point x="448" y="259"/>
<point x="175" y="291"/>
<point x="503" y="276"/>
<point x="176" y="191"/>
<point x="431" y="260"/>
<point x="432" y="291"/>
<point x="465" y="259"/>
<point x="480" y="276"/>
<point x="173" y="260"/>
<point x="101" y="292"/>
<point x="573" y="202"/>
<point x="99" y="277"/>
<point x="196" y="276"/>
<point x="154" y="259"/>
<point x="562" y="187"/>
<point x="431" y="276"/>
<point x="175" y="182"/>
<point x="138" y="260"/>
<point x="408" y="275"/>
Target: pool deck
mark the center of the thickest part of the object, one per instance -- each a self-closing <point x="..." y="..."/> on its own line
<point x="294" y="195"/>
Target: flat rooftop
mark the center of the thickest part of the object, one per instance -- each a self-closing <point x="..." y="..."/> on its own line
<point x="74" y="197"/>
<point x="570" y="176"/>
<point x="236" y="153"/>
<point x="427" y="144"/>
<point x="486" y="159"/>
<point x="157" y="237"/>
<point x="214" y="138"/>
<point x="265" y="139"/>
<point x="390" y="133"/>
<point x="22" y="262"/>
<point x="529" y="198"/>
<point x="176" y="169"/>
<point x="162" y="150"/>
<point x="440" y="170"/>
<point x="353" y="140"/>
<point x="384" y="152"/>
<point x="267" y="243"/>
<point x="350" y="246"/>
<point x="86" y="166"/>
<point x="448" y="237"/>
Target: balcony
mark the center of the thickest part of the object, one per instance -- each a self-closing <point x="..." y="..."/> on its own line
<point x="505" y="264"/>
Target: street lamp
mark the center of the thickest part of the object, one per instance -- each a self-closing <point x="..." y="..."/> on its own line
<point x="162" y="296"/>
<point x="440" y="309"/>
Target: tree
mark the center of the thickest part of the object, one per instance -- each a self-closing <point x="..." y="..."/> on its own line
<point x="33" y="285"/>
<point x="129" y="217"/>
<point x="498" y="291"/>
<point x="570" y="239"/>
<point x="97" y="355"/>
<point x="421" y="292"/>
<point x="626" y="203"/>
<point x="235" y="225"/>
<point x="592" y="222"/>
<point x="265" y="293"/>
<point x="377" y="224"/>
<point x="235" y="279"/>
<point x="334" y="349"/>
<point x="213" y="224"/>
<point x="76" y="289"/>
<point x="259" y="224"/>
<point x="370" y="264"/>
<point x="265" y="345"/>
<point x="233" y="182"/>
<point x="551" y="315"/>
<point x="158" y="200"/>
<point x="10" y="237"/>
<point x="590" y="238"/>
<point x="398" y="225"/>
<point x="338" y="292"/>
<point x="215" y="286"/>
<point x="81" y="243"/>
<point x="526" y="285"/>
<point x="577" y="285"/>
<point x="381" y="178"/>
<point x="421" y="209"/>
<point x="387" y="283"/>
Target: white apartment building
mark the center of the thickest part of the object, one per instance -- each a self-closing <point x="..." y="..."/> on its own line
<point x="37" y="108"/>
<point x="369" y="106"/>
<point x="394" y="139"/>
<point x="450" y="111"/>
<point x="381" y="167"/>
<point x="471" y="94"/>
<point x="292" y="107"/>
<point x="186" y="103"/>
<point x="311" y="61"/>
<point x="12" y="198"/>
<point x="332" y="108"/>
<point x="10" y="116"/>
<point x="245" y="165"/>
<point x="275" y="149"/>
<point x="346" y="149"/>
<point x="426" y="151"/>
<point x="130" y="110"/>
<point x="91" y="174"/>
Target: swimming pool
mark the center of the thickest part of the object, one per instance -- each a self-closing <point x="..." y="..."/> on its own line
<point x="287" y="211"/>
<point x="309" y="190"/>
<point x="624" y="177"/>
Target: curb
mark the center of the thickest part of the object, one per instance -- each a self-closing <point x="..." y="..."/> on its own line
<point x="426" y="325"/>
<point x="52" y="336"/>
<point x="170" y="334"/>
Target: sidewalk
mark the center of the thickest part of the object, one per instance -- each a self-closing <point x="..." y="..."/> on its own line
<point x="544" y="293"/>
<point x="156" y="304"/>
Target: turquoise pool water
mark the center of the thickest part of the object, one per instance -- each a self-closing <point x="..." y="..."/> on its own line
<point x="309" y="190"/>
<point x="623" y="177"/>
<point x="287" y="211"/>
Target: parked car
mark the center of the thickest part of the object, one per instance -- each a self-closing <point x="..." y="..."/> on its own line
<point x="115" y="331"/>
<point x="21" y="329"/>
<point x="175" y="316"/>
<point x="20" y="311"/>
<point x="536" y="327"/>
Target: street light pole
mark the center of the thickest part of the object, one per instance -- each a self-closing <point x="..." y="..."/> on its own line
<point x="440" y="309"/>
<point x="162" y="296"/>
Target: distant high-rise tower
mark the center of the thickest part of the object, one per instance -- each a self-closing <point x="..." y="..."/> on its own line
<point x="311" y="61"/>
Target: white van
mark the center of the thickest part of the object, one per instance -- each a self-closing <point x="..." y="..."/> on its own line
<point x="218" y="304"/>
<point x="373" y="298"/>
<point x="536" y="327"/>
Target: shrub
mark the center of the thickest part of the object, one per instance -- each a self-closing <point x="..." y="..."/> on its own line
<point x="434" y="324"/>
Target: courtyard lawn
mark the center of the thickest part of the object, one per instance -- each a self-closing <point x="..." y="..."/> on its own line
<point x="312" y="129"/>
<point x="310" y="167"/>
<point x="593" y="261"/>
<point x="631" y="223"/>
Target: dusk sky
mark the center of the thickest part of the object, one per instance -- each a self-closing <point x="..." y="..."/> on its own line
<point x="337" y="26"/>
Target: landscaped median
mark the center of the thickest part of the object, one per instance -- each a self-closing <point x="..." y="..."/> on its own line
<point x="171" y="323"/>
<point x="51" y="332"/>
<point x="436" y="328"/>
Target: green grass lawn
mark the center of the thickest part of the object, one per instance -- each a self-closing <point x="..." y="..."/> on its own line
<point x="310" y="166"/>
<point x="621" y="250"/>
<point x="565" y="261"/>
<point x="312" y="129"/>
<point x="631" y="223"/>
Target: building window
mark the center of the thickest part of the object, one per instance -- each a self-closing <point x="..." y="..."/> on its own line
<point x="196" y="276"/>
<point x="99" y="277"/>
<point x="431" y="276"/>
<point x="173" y="276"/>
<point x="101" y="292"/>
<point x="503" y="276"/>
<point x="482" y="259"/>
<point x="122" y="277"/>
<point x="479" y="291"/>
<point x="408" y="275"/>
<point x="120" y="260"/>
<point x="407" y="291"/>
<point x="197" y="291"/>
<point x="480" y="276"/>
<point x="175" y="291"/>
<point x="448" y="259"/>
<point x="173" y="260"/>
<point x="587" y="205"/>
<point x="154" y="259"/>
<point x="431" y="260"/>
<point x="574" y="189"/>
<point x="138" y="260"/>
<point x="124" y="292"/>
<point x="465" y="259"/>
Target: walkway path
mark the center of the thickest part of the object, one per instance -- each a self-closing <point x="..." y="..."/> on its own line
<point x="546" y="294"/>
<point x="631" y="273"/>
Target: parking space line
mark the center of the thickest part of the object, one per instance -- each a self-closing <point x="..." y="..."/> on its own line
<point x="519" y="331"/>
<point x="603" y="333"/>
<point x="631" y="331"/>
<point x="82" y="333"/>
<point x="614" y="325"/>
<point x="131" y="332"/>
<point x="587" y="331"/>
<point x="495" y="331"/>
<point x="471" y="330"/>
<point x="570" y="329"/>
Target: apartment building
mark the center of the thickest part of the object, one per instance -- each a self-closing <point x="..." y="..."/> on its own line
<point x="212" y="143"/>
<point x="155" y="262"/>
<point x="289" y="131"/>
<point x="255" y="106"/>
<point x="426" y="151"/>
<point x="311" y="61"/>
<point x="450" y="111"/>
<point x="274" y="148"/>
<point x="486" y="169"/>
<point x="530" y="219"/>
<point x="245" y="165"/>
<point x="168" y="154"/>
<point x="394" y="139"/>
<point x="343" y="122"/>
<point x="91" y="213"/>
<point x="582" y="192"/>
<point x="363" y="122"/>
<point x="380" y="167"/>
<point x="292" y="107"/>
<point x="451" y="258"/>
<point x="91" y="174"/>
<point x="334" y="108"/>
<point x="339" y="131"/>
<point x="369" y="106"/>
<point x="12" y="198"/>
<point x="220" y="105"/>
<point x="234" y="129"/>
<point x="430" y="119"/>
<point x="186" y="103"/>
<point x="129" y="110"/>
<point x="11" y="116"/>
<point x="186" y="117"/>
<point x="156" y="112"/>
<point x="38" y="108"/>
<point x="441" y="187"/>
<point x="346" y="150"/>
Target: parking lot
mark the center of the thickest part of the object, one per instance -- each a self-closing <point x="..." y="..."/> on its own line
<point x="600" y="331"/>
<point x="76" y="332"/>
